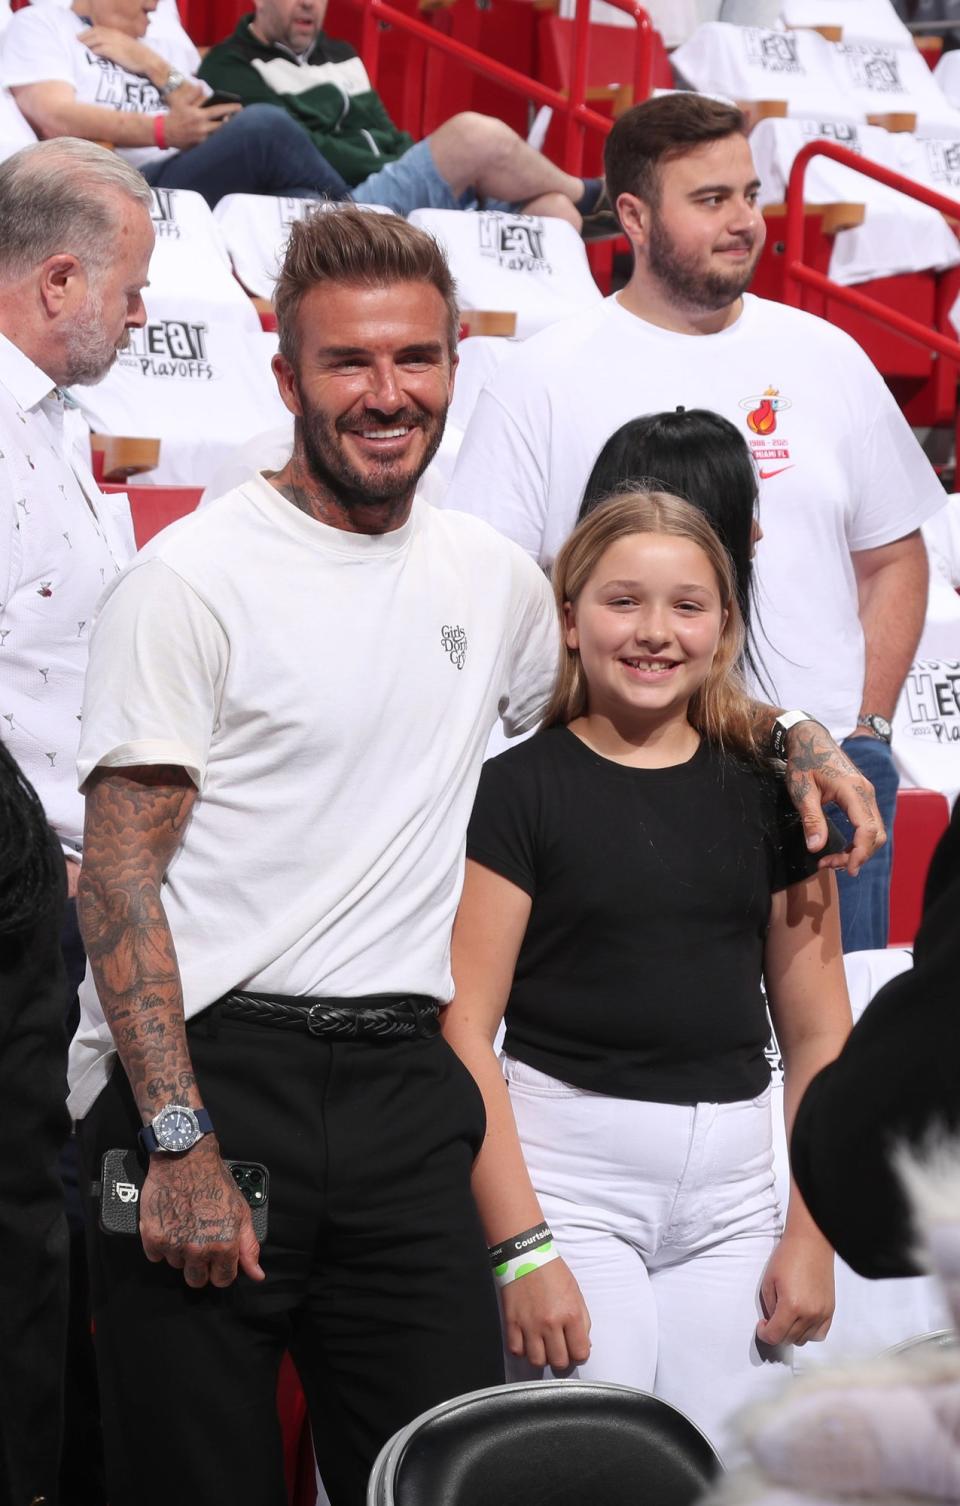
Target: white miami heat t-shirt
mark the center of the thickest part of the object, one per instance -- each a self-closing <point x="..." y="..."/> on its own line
<point x="40" y="46"/>
<point x="840" y="469"/>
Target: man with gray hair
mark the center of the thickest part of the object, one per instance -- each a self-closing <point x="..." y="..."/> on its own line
<point x="75" y="244"/>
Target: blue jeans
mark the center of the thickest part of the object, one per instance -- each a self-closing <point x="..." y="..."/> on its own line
<point x="413" y="181"/>
<point x="865" y="901"/>
<point x="260" y="150"/>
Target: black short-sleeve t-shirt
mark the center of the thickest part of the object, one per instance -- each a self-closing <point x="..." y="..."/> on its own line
<point x="640" y="972"/>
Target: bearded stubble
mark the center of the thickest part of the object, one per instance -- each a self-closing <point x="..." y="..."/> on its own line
<point x="687" y="284"/>
<point x="89" y="353"/>
<point x="388" y="482"/>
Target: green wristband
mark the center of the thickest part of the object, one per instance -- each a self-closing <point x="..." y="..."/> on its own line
<point x="522" y="1265"/>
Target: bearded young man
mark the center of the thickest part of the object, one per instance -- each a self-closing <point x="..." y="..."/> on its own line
<point x="841" y="569"/>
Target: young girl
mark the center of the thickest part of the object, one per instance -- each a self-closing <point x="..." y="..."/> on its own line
<point x="634" y="873"/>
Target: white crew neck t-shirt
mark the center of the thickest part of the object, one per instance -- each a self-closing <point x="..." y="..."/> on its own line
<point x="331" y="695"/>
<point x="840" y="468"/>
<point x="40" y="46"/>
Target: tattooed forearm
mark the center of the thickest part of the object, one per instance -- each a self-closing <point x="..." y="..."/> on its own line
<point x="135" y="820"/>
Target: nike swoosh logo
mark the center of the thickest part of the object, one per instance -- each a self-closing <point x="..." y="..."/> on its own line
<point x="766" y="475"/>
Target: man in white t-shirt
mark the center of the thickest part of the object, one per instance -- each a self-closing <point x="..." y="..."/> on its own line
<point x="86" y="71"/>
<point x="841" y="568"/>
<point x="287" y="706"/>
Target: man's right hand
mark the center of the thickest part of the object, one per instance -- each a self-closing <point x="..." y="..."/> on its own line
<point x="546" y="1318"/>
<point x="192" y="1215"/>
<point x="187" y="123"/>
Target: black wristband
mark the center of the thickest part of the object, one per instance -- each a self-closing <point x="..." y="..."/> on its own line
<point x="508" y="1249"/>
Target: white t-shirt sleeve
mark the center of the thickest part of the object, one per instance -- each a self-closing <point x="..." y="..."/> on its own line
<point x="534" y="651"/>
<point x="499" y="475"/>
<point x="158" y="658"/>
<point x="942" y="536"/>
<point x="897" y="487"/>
<point x="36" y="50"/>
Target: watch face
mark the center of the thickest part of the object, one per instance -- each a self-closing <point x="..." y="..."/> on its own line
<point x="879" y="725"/>
<point x="176" y="1128"/>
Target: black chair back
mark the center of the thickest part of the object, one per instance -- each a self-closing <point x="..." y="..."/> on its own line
<point x="547" y="1443"/>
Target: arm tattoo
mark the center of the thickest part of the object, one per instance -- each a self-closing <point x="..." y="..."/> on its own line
<point x="135" y="821"/>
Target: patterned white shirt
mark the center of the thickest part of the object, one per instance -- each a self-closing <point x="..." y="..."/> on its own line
<point x="61" y="541"/>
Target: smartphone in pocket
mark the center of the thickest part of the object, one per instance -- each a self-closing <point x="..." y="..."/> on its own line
<point x="123" y="1173"/>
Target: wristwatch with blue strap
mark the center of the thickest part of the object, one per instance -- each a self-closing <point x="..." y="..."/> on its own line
<point x="175" y="1129"/>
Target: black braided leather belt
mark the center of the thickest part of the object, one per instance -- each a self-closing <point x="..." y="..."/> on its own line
<point x="373" y="1017"/>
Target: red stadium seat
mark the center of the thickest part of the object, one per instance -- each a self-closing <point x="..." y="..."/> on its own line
<point x="153" y="507"/>
<point x="609" y="71"/>
<point x="298" y="1458"/>
<point x="922" y="817"/>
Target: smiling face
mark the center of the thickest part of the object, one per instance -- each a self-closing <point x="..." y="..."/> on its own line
<point x="371" y="388"/>
<point x="704" y="236"/>
<point x="294" y="24"/>
<point x="646" y="626"/>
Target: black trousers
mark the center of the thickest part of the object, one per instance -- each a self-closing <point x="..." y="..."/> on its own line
<point x="377" y="1276"/>
<point x="33" y="1229"/>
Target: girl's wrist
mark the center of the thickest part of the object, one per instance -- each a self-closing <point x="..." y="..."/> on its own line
<point x="522" y="1253"/>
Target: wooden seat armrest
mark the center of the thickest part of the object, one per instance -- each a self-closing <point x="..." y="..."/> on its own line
<point x="125" y="456"/>
<point x="840" y="216"/>
<point x="930" y="48"/>
<point x="830" y="33"/>
<point x="896" y="120"/>
<point x="488" y="322"/>
<point x="755" y="110"/>
<point x="833" y="217"/>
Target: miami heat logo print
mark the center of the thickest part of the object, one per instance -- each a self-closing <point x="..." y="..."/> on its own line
<point x="766" y="444"/>
<point x="762" y="411"/>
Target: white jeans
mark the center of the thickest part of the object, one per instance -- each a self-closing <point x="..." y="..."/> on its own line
<point x="666" y="1214"/>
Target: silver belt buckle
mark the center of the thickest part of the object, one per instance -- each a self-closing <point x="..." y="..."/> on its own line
<point x="315" y="1019"/>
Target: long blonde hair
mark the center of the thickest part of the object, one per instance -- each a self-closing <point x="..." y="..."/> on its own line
<point x="720" y="708"/>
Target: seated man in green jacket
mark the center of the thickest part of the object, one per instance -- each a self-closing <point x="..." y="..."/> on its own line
<point x="280" y="56"/>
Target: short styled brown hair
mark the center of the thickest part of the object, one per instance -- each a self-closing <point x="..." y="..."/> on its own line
<point x="658" y="131"/>
<point x="362" y="249"/>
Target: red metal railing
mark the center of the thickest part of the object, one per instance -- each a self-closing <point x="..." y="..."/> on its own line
<point x="797" y="275"/>
<point x="574" y="109"/>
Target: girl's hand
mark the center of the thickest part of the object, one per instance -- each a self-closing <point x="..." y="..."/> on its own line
<point x="546" y="1318"/>
<point x="797" y="1292"/>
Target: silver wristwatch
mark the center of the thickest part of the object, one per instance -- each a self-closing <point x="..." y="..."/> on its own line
<point x="175" y="1129"/>
<point x="174" y="80"/>
<point x="878" y="725"/>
